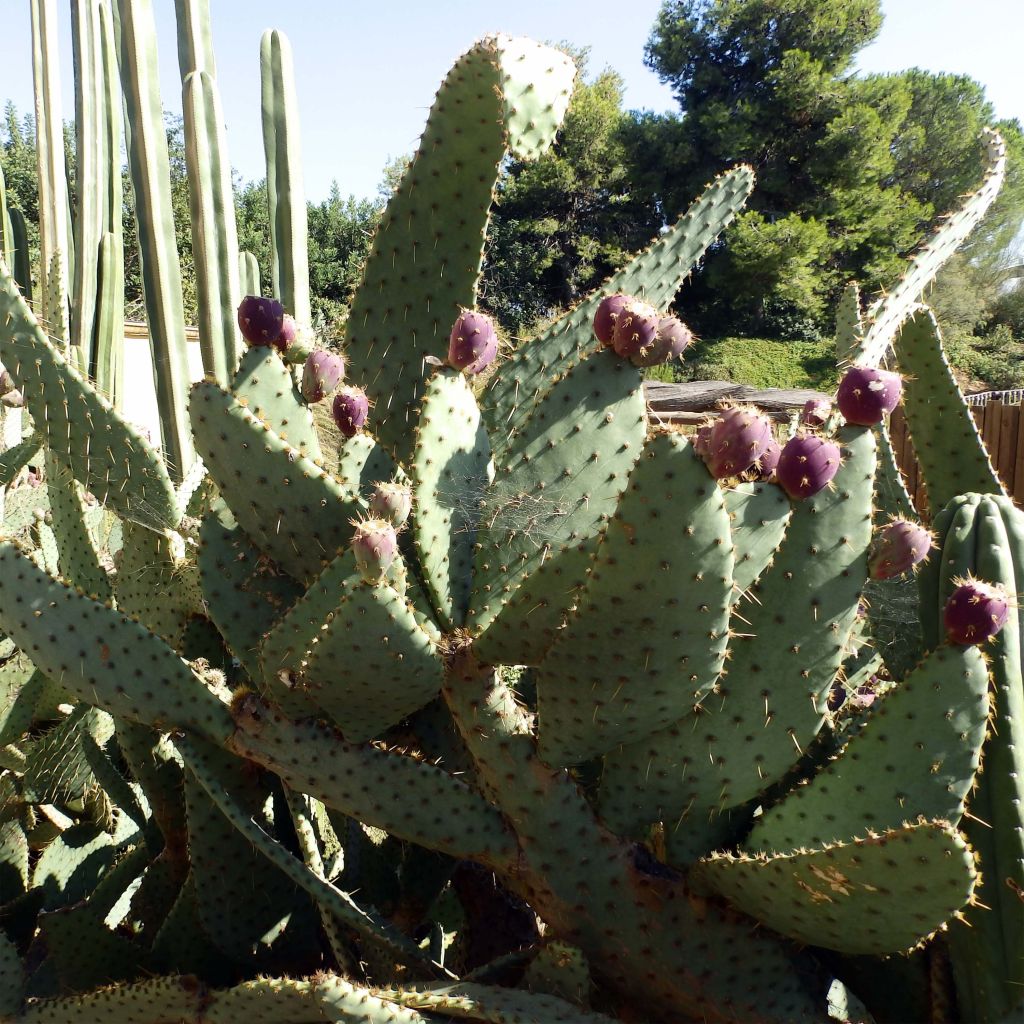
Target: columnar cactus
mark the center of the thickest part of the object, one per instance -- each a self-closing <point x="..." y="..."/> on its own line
<point x="304" y="737"/>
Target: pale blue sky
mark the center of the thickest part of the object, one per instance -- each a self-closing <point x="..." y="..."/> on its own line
<point x="367" y="72"/>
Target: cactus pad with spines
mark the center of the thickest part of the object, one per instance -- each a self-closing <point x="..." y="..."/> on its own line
<point x="877" y="894"/>
<point x="758" y="514"/>
<point x="104" y="453"/>
<point x="365" y="686"/>
<point x="916" y="755"/>
<point x="450" y="472"/>
<point x="656" y="273"/>
<point x="422" y="268"/>
<point x="553" y="492"/>
<point x="362" y="464"/>
<point x="648" y="638"/>
<point x="299" y="515"/>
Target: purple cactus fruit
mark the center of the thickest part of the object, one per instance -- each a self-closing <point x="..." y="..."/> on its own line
<point x="321" y="375"/>
<point x="807" y="464"/>
<point x="898" y="548"/>
<point x="702" y="441"/>
<point x="669" y="343"/>
<point x="287" y="335"/>
<point x="375" y="545"/>
<point x="392" y="502"/>
<point x="607" y="313"/>
<point x="738" y="439"/>
<point x="260" y="320"/>
<point x="867" y="395"/>
<point x="764" y="468"/>
<point x="350" y="409"/>
<point x="975" y="611"/>
<point x="473" y="343"/>
<point x="636" y="327"/>
<point x="816" y="412"/>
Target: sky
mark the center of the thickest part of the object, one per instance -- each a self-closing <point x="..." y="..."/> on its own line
<point x="364" y="95"/>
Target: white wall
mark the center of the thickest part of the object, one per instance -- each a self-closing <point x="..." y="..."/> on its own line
<point x="140" y="393"/>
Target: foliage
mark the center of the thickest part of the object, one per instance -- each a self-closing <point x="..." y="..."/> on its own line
<point x="764" y="362"/>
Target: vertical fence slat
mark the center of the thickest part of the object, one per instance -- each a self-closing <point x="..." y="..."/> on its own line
<point x="1007" y="442"/>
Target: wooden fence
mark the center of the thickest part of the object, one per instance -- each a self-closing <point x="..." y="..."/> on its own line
<point x="1002" y="427"/>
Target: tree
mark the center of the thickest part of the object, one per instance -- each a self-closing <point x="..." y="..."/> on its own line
<point x="851" y="170"/>
<point x="564" y="222"/>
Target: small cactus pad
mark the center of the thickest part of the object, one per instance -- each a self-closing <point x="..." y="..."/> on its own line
<point x="787" y="646"/>
<point x="648" y="637"/>
<point x="915" y="756"/>
<point x="263" y="384"/>
<point x="553" y="492"/>
<point x="423" y="266"/>
<point x="361" y="463"/>
<point x="656" y="274"/>
<point x="450" y="472"/>
<point x="883" y="893"/>
<point x="849" y="325"/>
<point x="365" y="687"/>
<point x="108" y="456"/>
<point x="106" y="658"/>
<point x="296" y="513"/>
<point x="416" y="801"/>
<point x="949" y="449"/>
<point x="759" y="514"/>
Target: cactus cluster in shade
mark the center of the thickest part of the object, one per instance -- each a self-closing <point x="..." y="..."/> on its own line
<point x="430" y="682"/>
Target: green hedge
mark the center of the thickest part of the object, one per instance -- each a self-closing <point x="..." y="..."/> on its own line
<point x="763" y="362"/>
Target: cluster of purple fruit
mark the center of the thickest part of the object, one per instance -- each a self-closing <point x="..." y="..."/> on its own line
<point x="375" y="540"/>
<point x="638" y="332"/>
<point x="264" y="324"/>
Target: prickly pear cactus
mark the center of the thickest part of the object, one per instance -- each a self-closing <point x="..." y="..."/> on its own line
<point x="512" y="706"/>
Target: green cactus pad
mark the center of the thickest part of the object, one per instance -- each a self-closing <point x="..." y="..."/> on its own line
<point x="146" y="1002"/>
<point x="759" y="514"/>
<point x="17" y="457"/>
<point x="450" y="475"/>
<point x="245" y="911"/>
<point x="552" y="495"/>
<point x="245" y="595"/>
<point x="80" y="562"/>
<point x="915" y="757"/>
<point x="105" y="454"/>
<point x="221" y="777"/>
<point x="889" y="311"/>
<point x="783" y="657"/>
<point x="410" y="799"/>
<point x="365" y="686"/>
<point x="503" y="95"/>
<point x="12" y="979"/>
<point x="648" y="637"/>
<point x="892" y="499"/>
<point x="656" y="274"/>
<point x="295" y="513"/>
<point x="105" y="658"/>
<point x="495" y="1005"/>
<point x="849" y="326"/>
<point x="949" y="449"/>
<point x="70" y="867"/>
<point x="13" y="859"/>
<point x="880" y="894"/>
<point x="362" y="464"/>
<point x="264" y="385"/>
<point x="156" y="583"/>
<point x="21" y="685"/>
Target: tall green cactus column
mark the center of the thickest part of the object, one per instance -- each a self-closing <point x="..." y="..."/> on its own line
<point x="285" y="194"/>
<point x="161" y="271"/>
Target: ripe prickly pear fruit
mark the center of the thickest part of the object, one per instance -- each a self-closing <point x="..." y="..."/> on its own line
<point x="669" y="343"/>
<point x="975" y="611"/>
<point x="321" y="375"/>
<point x="739" y="437"/>
<point x="898" y="548"/>
<point x="702" y="441"/>
<point x="636" y="327"/>
<point x="807" y="464"/>
<point x="607" y="313"/>
<point x="7" y="384"/>
<point x="296" y="342"/>
<point x="350" y="409"/>
<point x="375" y="545"/>
<point x="473" y="343"/>
<point x="816" y="412"/>
<point x="392" y="502"/>
<point x="867" y="395"/>
<point x="764" y="468"/>
<point x="260" y="320"/>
